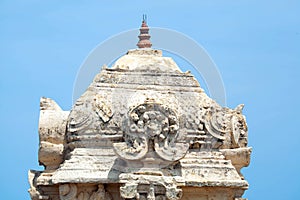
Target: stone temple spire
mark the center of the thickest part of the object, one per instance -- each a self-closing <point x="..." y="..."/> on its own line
<point x="144" y="36"/>
<point x="142" y="130"/>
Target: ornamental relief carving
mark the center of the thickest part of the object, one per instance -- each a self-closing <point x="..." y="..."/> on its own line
<point x="227" y="127"/>
<point x="150" y="187"/>
<point x="151" y="125"/>
<point x="90" y="115"/>
<point x="207" y="125"/>
<point x="70" y="192"/>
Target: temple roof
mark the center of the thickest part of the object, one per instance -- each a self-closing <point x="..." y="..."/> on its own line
<point x="101" y="118"/>
<point x="146" y="60"/>
<point x="143" y="121"/>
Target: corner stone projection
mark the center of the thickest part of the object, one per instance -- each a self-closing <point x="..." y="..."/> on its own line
<point x="143" y="129"/>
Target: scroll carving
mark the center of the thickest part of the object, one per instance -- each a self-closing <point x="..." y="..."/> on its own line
<point x="225" y="125"/>
<point x="67" y="191"/>
<point x="84" y="115"/>
<point x="70" y="192"/>
<point x="151" y="123"/>
<point x="79" y="118"/>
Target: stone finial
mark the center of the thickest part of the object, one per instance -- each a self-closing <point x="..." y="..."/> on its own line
<point x="144" y="36"/>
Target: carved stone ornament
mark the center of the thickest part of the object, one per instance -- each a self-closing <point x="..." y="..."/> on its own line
<point x="151" y="123"/>
<point x="150" y="187"/>
<point x="225" y="125"/>
<point x="142" y="130"/>
<point x="70" y="192"/>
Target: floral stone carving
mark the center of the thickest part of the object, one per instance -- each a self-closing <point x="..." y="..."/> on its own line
<point x="151" y="125"/>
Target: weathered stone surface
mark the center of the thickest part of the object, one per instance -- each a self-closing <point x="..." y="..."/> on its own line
<point x="146" y="60"/>
<point x="52" y="129"/>
<point x="142" y="130"/>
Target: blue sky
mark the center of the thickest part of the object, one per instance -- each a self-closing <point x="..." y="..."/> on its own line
<point x="255" y="44"/>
